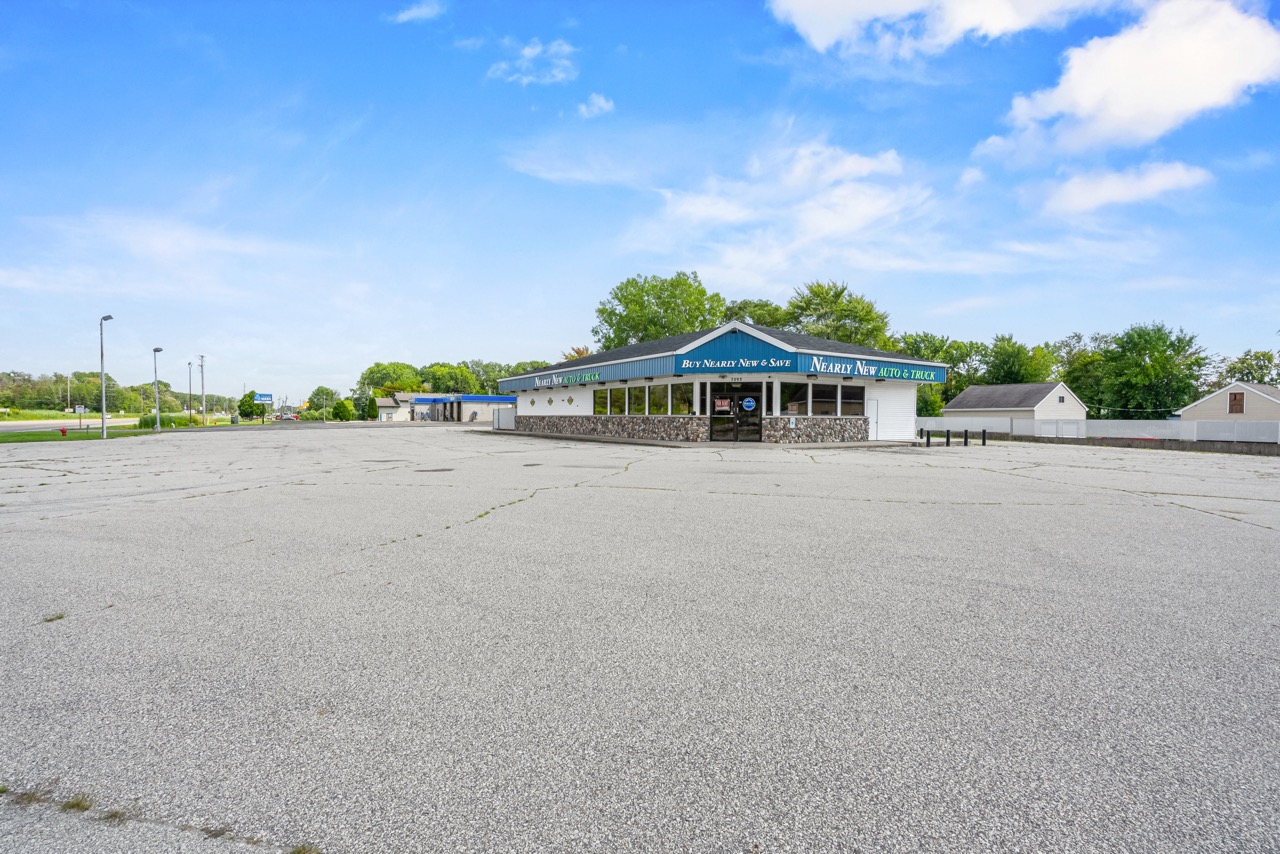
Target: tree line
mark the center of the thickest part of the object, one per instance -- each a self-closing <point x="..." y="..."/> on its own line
<point x="82" y="388"/>
<point x="384" y="379"/>
<point x="1145" y="371"/>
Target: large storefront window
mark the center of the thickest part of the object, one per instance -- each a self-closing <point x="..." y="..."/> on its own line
<point x="824" y="399"/>
<point x="617" y="401"/>
<point x="853" y="400"/>
<point x="794" y="399"/>
<point x="601" y="406"/>
<point x="682" y="399"/>
<point x="657" y="400"/>
<point x="635" y="397"/>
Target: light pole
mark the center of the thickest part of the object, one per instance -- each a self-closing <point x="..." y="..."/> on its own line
<point x="189" y="412"/>
<point x="156" y="367"/>
<point x="204" y="417"/>
<point x="102" y="371"/>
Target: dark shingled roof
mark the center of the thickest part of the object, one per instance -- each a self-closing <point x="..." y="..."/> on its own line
<point x="1011" y="396"/>
<point x="1269" y="390"/>
<point x="667" y="346"/>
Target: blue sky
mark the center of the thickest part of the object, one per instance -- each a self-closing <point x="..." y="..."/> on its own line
<point x="297" y="190"/>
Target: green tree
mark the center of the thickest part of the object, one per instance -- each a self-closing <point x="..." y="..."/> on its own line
<point x="525" y="367"/>
<point x="322" y="398"/>
<point x="371" y="409"/>
<point x="125" y="399"/>
<point x="249" y="409"/>
<point x="487" y="374"/>
<point x="1079" y="365"/>
<point x="759" y="312"/>
<point x="1012" y="362"/>
<point x="1252" y="366"/>
<point x="443" y="378"/>
<point x="343" y="411"/>
<point x="383" y="374"/>
<point x="965" y="360"/>
<point x="1149" y="371"/>
<point x="645" y="308"/>
<point x="928" y="400"/>
<point x="829" y="310"/>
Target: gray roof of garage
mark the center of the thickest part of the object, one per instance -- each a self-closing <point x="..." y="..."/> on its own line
<point x="1011" y="396"/>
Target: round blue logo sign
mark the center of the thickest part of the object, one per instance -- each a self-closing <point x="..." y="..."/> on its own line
<point x="748" y="403"/>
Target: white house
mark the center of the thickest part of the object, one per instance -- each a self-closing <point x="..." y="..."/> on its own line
<point x="1039" y="401"/>
<point x="1236" y="402"/>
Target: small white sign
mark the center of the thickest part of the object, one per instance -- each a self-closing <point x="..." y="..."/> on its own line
<point x="79" y="409"/>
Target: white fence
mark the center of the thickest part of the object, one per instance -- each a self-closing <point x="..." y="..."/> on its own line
<point x="1187" y="431"/>
<point x="960" y="423"/>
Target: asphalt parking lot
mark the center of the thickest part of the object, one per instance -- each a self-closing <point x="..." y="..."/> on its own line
<point x="420" y="638"/>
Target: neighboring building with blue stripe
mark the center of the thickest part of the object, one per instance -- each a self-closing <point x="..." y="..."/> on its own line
<point x="478" y="408"/>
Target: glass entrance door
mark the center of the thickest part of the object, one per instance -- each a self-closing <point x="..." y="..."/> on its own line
<point x="735" y="413"/>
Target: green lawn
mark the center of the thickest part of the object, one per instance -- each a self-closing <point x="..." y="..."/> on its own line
<point x="53" y="434"/>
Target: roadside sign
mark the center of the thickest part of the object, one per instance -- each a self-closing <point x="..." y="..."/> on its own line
<point x="262" y="398"/>
<point x="80" y="410"/>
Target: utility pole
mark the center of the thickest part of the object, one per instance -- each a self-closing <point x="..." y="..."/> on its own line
<point x="204" y="409"/>
<point x="189" y="412"/>
<point x="156" y="369"/>
<point x="102" y="372"/>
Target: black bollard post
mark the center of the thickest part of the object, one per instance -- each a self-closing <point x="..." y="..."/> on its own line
<point x="948" y="438"/>
<point x="966" y="438"/>
<point x="984" y="437"/>
<point x="928" y="438"/>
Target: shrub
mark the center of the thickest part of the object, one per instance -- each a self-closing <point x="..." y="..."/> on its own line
<point x="343" y="411"/>
<point x="167" y="422"/>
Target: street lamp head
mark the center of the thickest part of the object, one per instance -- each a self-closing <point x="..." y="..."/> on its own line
<point x="107" y="317"/>
<point x="157" y="349"/>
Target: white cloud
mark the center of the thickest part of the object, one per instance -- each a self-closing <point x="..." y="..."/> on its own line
<point x="1185" y="57"/>
<point x="904" y="27"/>
<point x="1084" y="193"/>
<point x="537" y="63"/>
<point x="810" y="206"/>
<point x="970" y="177"/>
<point x="110" y="252"/>
<point x="596" y="105"/>
<point x="424" y="11"/>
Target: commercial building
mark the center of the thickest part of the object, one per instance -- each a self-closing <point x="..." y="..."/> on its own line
<point x="737" y="382"/>
<point x="407" y="406"/>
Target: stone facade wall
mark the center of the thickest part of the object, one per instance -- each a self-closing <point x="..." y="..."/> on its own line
<point x="688" y="428"/>
<point x="665" y="428"/>
<point x="815" y="429"/>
